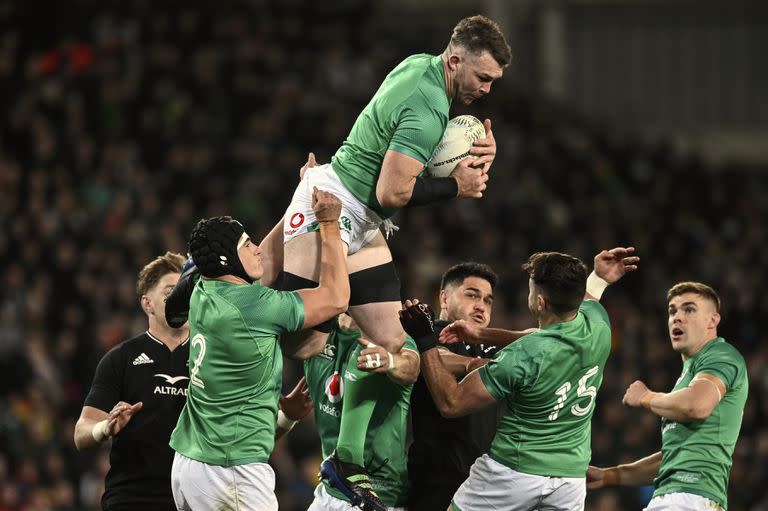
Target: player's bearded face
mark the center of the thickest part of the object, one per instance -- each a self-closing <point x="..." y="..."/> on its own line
<point x="475" y="76"/>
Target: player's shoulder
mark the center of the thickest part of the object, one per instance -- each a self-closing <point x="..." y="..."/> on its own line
<point x="530" y="346"/>
<point x="128" y="347"/>
<point x="723" y="350"/>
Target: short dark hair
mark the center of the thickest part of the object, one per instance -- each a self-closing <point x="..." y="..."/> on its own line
<point x="561" y="278"/>
<point x="151" y="274"/>
<point x="697" y="288"/>
<point x="456" y="274"/>
<point x="478" y="34"/>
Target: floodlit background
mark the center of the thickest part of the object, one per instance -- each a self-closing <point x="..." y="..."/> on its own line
<point x="619" y="122"/>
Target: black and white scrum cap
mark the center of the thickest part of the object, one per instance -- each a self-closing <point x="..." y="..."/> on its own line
<point x="214" y="244"/>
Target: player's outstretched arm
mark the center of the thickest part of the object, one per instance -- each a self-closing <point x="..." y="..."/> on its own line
<point x="401" y="367"/>
<point x="695" y="402"/>
<point x="610" y="266"/>
<point x="639" y="473"/>
<point x="462" y="330"/>
<point x="451" y="398"/>
<point x="331" y="296"/>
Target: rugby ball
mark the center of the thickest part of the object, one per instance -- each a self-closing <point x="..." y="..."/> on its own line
<point x="457" y="140"/>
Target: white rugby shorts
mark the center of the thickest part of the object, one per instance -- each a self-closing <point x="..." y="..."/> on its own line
<point x="358" y="223"/>
<point x="493" y="486"/>
<point x="327" y="502"/>
<point x="680" y="501"/>
<point x="202" y="487"/>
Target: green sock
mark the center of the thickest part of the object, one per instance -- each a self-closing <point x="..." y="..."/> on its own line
<point x="356" y="411"/>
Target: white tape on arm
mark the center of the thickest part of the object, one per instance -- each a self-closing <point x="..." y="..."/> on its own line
<point x="391" y="366"/>
<point x="284" y="422"/>
<point x="99" y="431"/>
<point x="596" y="285"/>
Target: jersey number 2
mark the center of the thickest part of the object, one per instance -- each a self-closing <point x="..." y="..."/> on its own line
<point x="197" y="340"/>
<point x="581" y="391"/>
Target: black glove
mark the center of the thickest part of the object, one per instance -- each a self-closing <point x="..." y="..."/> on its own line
<point x="177" y="303"/>
<point x="419" y="322"/>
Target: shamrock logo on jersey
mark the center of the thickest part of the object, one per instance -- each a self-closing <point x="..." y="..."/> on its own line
<point x="334" y="387"/>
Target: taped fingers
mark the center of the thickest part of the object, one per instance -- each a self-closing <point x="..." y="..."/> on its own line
<point x="373" y="362"/>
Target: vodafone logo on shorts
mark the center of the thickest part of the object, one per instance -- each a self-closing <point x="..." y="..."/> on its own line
<point x="296" y="220"/>
<point x="334" y="387"/>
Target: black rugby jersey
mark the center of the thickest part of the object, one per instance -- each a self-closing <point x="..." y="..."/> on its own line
<point x="443" y="449"/>
<point x="141" y="369"/>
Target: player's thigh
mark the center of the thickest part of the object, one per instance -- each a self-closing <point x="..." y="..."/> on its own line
<point x="564" y="494"/>
<point x="374" y="253"/>
<point x="492" y="486"/>
<point x="302" y="256"/>
<point x="198" y="486"/>
<point x="201" y="487"/>
<point x="375" y="294"/>
<point x="254" y="486"/>
<point x="682" y="502"/>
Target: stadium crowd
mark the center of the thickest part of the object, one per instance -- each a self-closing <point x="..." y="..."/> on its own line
<point x="122" y="124"/>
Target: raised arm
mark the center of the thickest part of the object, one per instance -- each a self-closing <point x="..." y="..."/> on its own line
<point x="695" y="402"/>
<point x="610" y="266"/>
<point x="639" y="473"/>
<point x="331" y="296"/>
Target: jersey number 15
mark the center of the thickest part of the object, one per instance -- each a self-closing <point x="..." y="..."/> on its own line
<point x="582" y="391"/>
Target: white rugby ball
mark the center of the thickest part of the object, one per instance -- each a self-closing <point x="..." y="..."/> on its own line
<point x="457" y="140"/>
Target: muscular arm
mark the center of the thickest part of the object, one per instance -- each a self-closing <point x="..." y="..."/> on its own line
<point x="397" y="178"/>
<point x="695" y="402"/>
<point x="376" y="359"/>
<point x="639" y="473"/>
<point x="406" y="369"/>
<point x="451" y="398"/>
<point x="458" y="365"/>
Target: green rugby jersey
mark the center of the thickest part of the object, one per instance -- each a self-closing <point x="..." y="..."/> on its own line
<point x="549" y="380"/>
<point x="408" y="114"/>
<point x="235" y="371"/>
<point x="697" y="455"/>
<point x="386" y="435"/>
